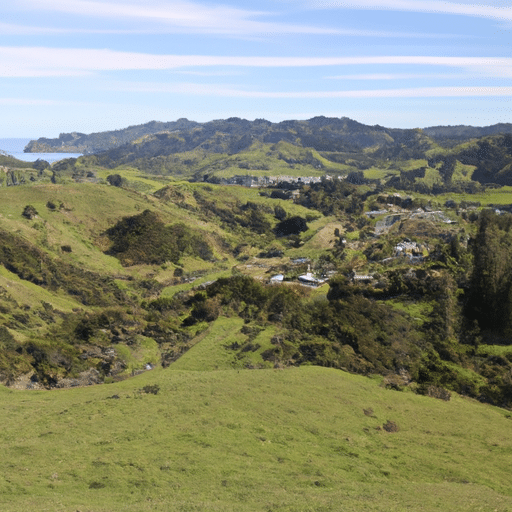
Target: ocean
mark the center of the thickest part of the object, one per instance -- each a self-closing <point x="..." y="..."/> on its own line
<point x="14" y="147"/>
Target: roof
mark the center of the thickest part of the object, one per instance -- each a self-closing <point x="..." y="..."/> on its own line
<point x="310" y="278"/>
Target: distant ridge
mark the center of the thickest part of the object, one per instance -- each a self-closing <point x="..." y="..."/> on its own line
<point x="350" y="132"/>
<point x="464" y="132"/>
<point x="101" y="141"/>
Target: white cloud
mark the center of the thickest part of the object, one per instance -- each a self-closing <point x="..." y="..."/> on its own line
<point x="185" y="16"/>
<point x="395" y="76"/>
<point x="39" y="61"/>
<point x="177" y="16"/>
<point x="481" y="10"/>
<point x="227" y="91"/>
<point x="420" y="92"/>
<point x="28" y="102"/>
<point x="10" y="29"/>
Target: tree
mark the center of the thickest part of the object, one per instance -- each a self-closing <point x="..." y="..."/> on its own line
<point x="292" y="226"/>
<point x="40" y="165"/>
<point x="490" y="294"/>
<point x="115" y="180"/>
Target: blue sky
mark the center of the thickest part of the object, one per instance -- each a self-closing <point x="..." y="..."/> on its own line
<point x="95" y="65"/>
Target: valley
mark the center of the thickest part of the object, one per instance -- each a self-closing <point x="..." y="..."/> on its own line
<point x="140" y="302"/>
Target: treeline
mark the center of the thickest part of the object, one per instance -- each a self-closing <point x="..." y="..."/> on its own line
<point x="490" y="292"/>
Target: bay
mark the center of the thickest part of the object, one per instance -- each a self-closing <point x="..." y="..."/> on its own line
<point x="15" y="146"/>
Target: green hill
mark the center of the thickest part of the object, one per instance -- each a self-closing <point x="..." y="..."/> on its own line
<point x="433" y="160"/>
<point x="285" y="440"/>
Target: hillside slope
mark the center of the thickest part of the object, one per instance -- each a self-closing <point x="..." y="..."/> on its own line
<point x="94" y="142"/>
<point x="293" y="440"/>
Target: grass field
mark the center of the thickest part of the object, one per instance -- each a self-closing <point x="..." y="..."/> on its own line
<point x="302" y="439"/>
<point x="502" y="195"/>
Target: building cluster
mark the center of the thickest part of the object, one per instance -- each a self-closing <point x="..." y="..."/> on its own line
<point x="273" y="181"/>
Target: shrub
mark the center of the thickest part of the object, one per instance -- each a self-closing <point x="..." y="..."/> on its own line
<point x="144" y="238"/>
<point x="152" y="389"/>
<point x="390" y="426"/>
<point x="29" y="212"/>
<point x="434" y="392"/>
<point x="292" y="226"/>
<point x="115" y="180"/>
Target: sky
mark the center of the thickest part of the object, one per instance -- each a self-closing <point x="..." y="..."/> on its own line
<point x="96" y="65"/>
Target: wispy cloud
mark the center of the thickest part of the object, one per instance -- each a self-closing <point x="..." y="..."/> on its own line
<point x="397" y="76"/>
<point x="178" y="16"/>
<point x="227" y="91"/>
<point x="183" y="16"/>
<point x="420" y="92"/>
<point x="12" y="29"/>
<point x="481" y="10"/>
<point x="29" y="102"/>
<point x="39" y="61"/>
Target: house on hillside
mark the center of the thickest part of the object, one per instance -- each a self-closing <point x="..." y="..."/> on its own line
<point x="309" y="279"/>
<point x="411" y="250"/>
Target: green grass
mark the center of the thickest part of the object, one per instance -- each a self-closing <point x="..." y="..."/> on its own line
<point x="494" y="350"/>
<point x="170" y="291"/>
<point x="284" y="440"/>
<point x="213" y="351"/>
<point x="431" y="177"/>
<point x="29" y="294"/>
<point x="376" y="173"/>
<point x="409" y="165"/>
<point x="136" y="180"/>
<point x="218" y="436"/>
<point x="501" y="195"/>
<point x="418" y="311"/>
<point x="143" y="351"/>
<point x="463" y="172"/>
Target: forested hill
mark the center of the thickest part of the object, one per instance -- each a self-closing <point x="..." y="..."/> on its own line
<point x="460" y="133"/>
<point x="101" y="141"/>
<point x="320" y="133"/>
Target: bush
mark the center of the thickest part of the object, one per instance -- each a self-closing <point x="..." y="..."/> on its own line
<point x="434" y="392"/>
<point x="115" y="180"/>
<point x="29" y="212"/>
<point x="292" y="226"/>
<point x="390" y="426"/>
<point x="144" y="238"/>
<point x="152" y="389"/>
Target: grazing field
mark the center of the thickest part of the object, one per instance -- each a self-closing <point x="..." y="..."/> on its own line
<point x="248" y="440"/>
<point x="502" y="195"/>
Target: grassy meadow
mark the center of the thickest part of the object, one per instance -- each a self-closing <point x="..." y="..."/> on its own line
<point x="248" y="440"/>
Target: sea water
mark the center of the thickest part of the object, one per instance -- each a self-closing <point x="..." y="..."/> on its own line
<point x="14" y="147"/>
